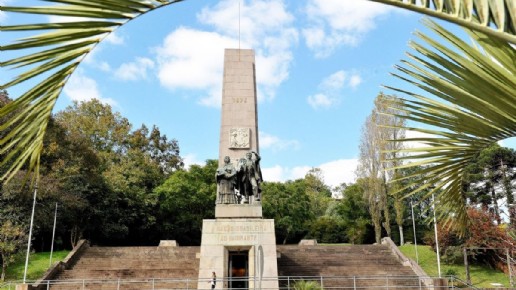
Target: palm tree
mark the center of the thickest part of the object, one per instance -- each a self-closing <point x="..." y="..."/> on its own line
<point x="53" y="56"/>
<point x="472" y="105"/>
<point x="473" y="101"/>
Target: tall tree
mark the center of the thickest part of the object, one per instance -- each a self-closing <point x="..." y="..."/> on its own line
<point x="390" y="126"/>
<point x="369" y="169"/>
<point x="490" y="178"/>
<point x="379" y="147"/>
<point x="478" y="82"/>
<point x="352" y="209"/>
<point x="290" y="207"/>
<point x="318" y="191"/>
<point x="185" y="199"/>
<point x="12" y="239"/>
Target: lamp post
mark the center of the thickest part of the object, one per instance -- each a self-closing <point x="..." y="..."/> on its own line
<point x="436" y="238"/>
<point x="30" y="234"/>
<point x="414" y="227"/>
<point x="53" y="237"/>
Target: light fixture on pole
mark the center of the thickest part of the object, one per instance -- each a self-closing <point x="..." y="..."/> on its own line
<point x="53" y="237"/>
<point x="30" y="234"/>
<point x="436" y="238"/>
<point x="414" y="227"/>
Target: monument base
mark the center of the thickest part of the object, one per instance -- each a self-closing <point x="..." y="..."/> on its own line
<point x="242" y="253"/>
<point x="238" y="211"/>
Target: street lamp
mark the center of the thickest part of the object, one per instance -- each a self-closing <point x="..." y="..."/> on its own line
<point x="414" y="227"/>
<point x="436" y="238"/>
<point x="53" y="237"/>
<point x="30" y="234"/>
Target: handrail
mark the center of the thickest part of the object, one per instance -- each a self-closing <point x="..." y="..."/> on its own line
<point x="284" y="282"/>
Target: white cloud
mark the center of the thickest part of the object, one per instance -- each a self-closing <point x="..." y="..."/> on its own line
<point x="192" y="59"/>
<point x="333" y="23"/>
<point x="115" y="39"/>
<point x="251" y="25"/>
<point x="281" y="174"/>
<point x="3" y="15"/>
<point x="82" y="88"/>
<point x="334" y="81"/>
<point x="334" y="172"/>
<point x="191" y="159"/>
<point x="275" y="143"/>
<point x="355" y="80"/>
<point x="332" y="89"/>
<point x="136" y="70"/>
<point x="339" y="171"/>
<point x="321" y="101"/>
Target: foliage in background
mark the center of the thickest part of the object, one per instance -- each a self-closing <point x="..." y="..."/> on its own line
<point x="472" y="105"/>
<point x="50" y="58"/>
<point x="481" y="275"/>
<point x="487" y="242"/>
<point x="307" y="285"/>
<point x="352" y="210"/>
<point x="379" y="148"/>
<point x="102" y="175"/>
<point x="185" y="199"/>
<point x="290" y="206"/>
<point x="12" y="239"/>
<point x="490" y="180"/>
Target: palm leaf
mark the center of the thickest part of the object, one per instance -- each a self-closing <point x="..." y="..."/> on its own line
<point x="53" y="55"/>
<point x="473" y="105"/>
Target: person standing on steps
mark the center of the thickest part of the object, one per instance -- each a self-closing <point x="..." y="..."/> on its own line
<point x="213" y="280"/>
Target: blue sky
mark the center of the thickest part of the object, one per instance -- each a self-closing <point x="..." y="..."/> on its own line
<point x="319" y="65"/>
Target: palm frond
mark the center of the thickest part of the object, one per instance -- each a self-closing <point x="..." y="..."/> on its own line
<point x="53" y="55"/>
<point x="473" y="105"/>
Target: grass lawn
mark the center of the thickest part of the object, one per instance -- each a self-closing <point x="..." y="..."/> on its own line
<point x="38" y="265"/>
<point x="481" y="276"/>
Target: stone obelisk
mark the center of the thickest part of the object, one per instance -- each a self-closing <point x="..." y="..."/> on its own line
<point x="239" y="118"/>
<point x="238" y="245"/>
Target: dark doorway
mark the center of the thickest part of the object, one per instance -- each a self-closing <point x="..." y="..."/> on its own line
<point x="238" y="270"/>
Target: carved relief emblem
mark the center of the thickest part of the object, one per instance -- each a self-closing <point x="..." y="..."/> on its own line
<point x="239" y="138"/>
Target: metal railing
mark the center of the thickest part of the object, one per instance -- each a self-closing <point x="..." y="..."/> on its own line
<point x="284" y="283"/>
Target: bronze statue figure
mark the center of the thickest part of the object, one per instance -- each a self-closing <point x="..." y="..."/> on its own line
<point x="226" y="181"/>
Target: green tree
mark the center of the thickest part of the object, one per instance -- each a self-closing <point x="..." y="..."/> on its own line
<point x="489" y="178"/>
<point x="12" y="239"/>
<point x="471" y="105"/>
<point x="185" y="199"/>
<point x="128" y="165"/>
<point x="318" y="191"/>
<point x="475" y="86"/>
<point x="370" y="170"/>
<point x="289" y="205"/>
<point x="352" y="209"/>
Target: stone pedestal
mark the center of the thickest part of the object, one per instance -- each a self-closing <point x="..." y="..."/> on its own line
<point x="252" y="237"/>
<point x="224" y="211"/>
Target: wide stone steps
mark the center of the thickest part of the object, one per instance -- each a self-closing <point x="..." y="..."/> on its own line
<point x="347" y="264"/>
<point x="139" y="263"/>
<point x="106" y="268"/>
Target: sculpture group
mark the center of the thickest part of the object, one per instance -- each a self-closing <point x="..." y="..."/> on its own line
<point x="237" y="184"/>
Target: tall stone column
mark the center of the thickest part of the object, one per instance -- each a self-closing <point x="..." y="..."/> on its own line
<point x="239" y="245"/>
<point x="239" y="118"/>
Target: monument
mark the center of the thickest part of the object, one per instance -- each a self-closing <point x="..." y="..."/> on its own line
<point x="239" y="245"/>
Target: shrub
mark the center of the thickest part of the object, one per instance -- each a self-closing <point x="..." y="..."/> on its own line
<point x="307" y="285"/>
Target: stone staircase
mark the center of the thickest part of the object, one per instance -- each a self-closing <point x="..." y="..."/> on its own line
<point x="106" y="268"/>
<point x="361" y="266"/>
<point x="149" y="267"/>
